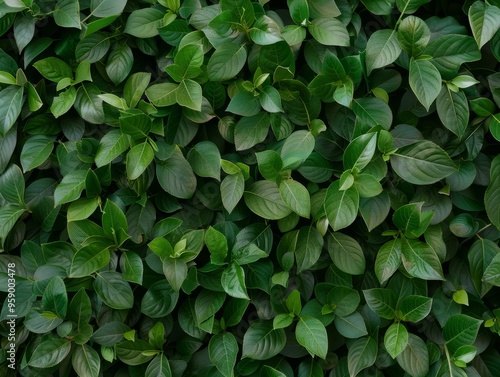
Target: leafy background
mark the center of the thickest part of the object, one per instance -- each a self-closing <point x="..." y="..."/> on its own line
<point x="245" y="188"/>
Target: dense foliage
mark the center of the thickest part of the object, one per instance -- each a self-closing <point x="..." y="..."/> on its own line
<point x="250" y="188"/>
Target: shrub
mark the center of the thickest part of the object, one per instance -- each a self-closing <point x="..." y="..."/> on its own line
<point x="250" y="188"/>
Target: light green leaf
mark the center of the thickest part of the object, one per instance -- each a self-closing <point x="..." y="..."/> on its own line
<point x="311" y="334"/>
<point x="50" y="353"/>
<point x="263" y="198"/>
<point x="12" y="185"/>
<point x="223" y="350"/>
<point x="67" y="13"/>
<point x="189" y="94"/>
<point x="176" y="175"/>
<point x="70" y="187"/>
<point x="251" y="130"/>
<point x="226" y="62"/>
<point x="329" y="31"/>
<point x="53" y="69"/>
<point x="382" y="49"/>
<point x="422" y="163"/>
<point x="414" y="359"/>
<point x="113" y="290"/>
<point x="270" y="100"/>
<point x="233" y="281"/>
<point x="453" y="110"/>
<point x="112" y="145"/>
<point x="492" y="195"/>
<point x="119" y="64"/>
<point x="425" y="81"/>
<point x="341" y="206"/>
<point x="86" y="361"/>
<point x="360" y="151"/>
<point x="346" y="253"/>
<point x="362" y="354"/>
<point x="63" y="102"/>
<point x="138" y="160"/>
<point x="297" y="148"/>
<point x="35" y="151"/>
<point x="205" y="158"/>
<point x="388" y="260"/>
<point x="106" y="8"/>
<point x="413" y="35"/>
<point x="414" y="308"/>
<point x="484" y="20"/>
<point x="144" y="23"/>
<point x="396" y="339"/>
<point x="232" y="188"/>
<point x="88" y="104"/>
<point x="296" y="197"/>
<point x="10" y="107"/>
<point x="175" y="270"/>
<point x="420" y="260"/>
<point x="82" y="208"/>
<point x="261" y="341"/>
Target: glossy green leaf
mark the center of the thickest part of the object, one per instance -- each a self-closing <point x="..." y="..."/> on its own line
<point x="50" y="353"/>
<point x="261" y="341"/>
<point x="264" y="199"/>
<point x="396" y="339"/>
<point x="341" y="206"/>
<point x="362" y="354"/>
<point x="382" y="49"/>
<point x="422" y="163"/>
<point x="311" y="334"/>
<point x="114" y="290"/>
<point x="225" y="63"/>
<point x="425" y="81"/>
<point x="222" y="351"/>
<point x="484" y="20"/>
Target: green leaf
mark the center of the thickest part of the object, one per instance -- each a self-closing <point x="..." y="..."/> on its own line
<point x="113" y="290"/>
<point x="382" y="301"/>
<point x="131" y="267"/>
<point x="308" y="247"/>
<point x="88" y="104"/>
<point x="70" y="187"/>
<point x="55" y="298"/>
<point x="296" y="197"/>
<point x="12" y="185"/>
<point x="89" y="259"/>
<point x="382" y="49"/>
<point x="425" y="81"/>
<point x="175" y="270"/>
<point x="93" y="48"/>
<point x="176" y="175"/>
<point x="80" y="309"/>
<point x="360" y="151"/>
<point x="373" y="112"/>
<point x="144" y="23"/>
<point x="63" y="102"/>
<point x="396" y="339"/>
<point x="158" y="367"/>
<point x="388" y="260"/>
<point x="346" y="253"/>
<point x="414" y="359"/>
<point x="223" y="350"/>
<point x="341" y="206"/>
<point x="205" y="158"/>
<point x="492" y="193"/>
<point x="362" y="354"/>
<point x="133" y="352"/>
<point x="420" y="260"/>
<point x="329" y="31"/>
<point x="413" y="35"/>
<point x="233" y="281"/>
<point x="270" y="164"/>
<point x="311" y="334"/>
<point x="50" y="352"/>
<point x="36" y="151"/>
<point x="270" y="100"/>
<point x="119" y="64"/>
<point x="138" y="160"/>
<point x="189" y="94"/>
<point x="414" y="308"/>
<point x="53" y="69"/>
<point x="374" y="210"/>
<point x="297" y="148"/>
<point x="460" y="330"/>
<point x="484" y="20"/>
<point x="226" y="62"/>
<point x="422" y="163"/>
<point x="112" y="145"/>
<point x="232" y="188"/>
<point x="135" y="86"/>
<point x="217" y="245"/>
<point x="106" y="8"/>
<point x="264" y="199"/>
<point x="261" y="341"/>
<point x="453" y="110"/>
<point x="351" y="326"/>
<point x="299" y="11"/>
<point x="67" y="13"/>
<point x="10" y="107"/>
<point x="86" y="361"/>
<point x="410" y="6"/>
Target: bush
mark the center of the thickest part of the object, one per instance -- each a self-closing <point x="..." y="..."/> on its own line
<point x="250" y="188"/>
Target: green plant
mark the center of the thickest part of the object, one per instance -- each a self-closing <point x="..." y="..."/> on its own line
<point x="248" y="188"/>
